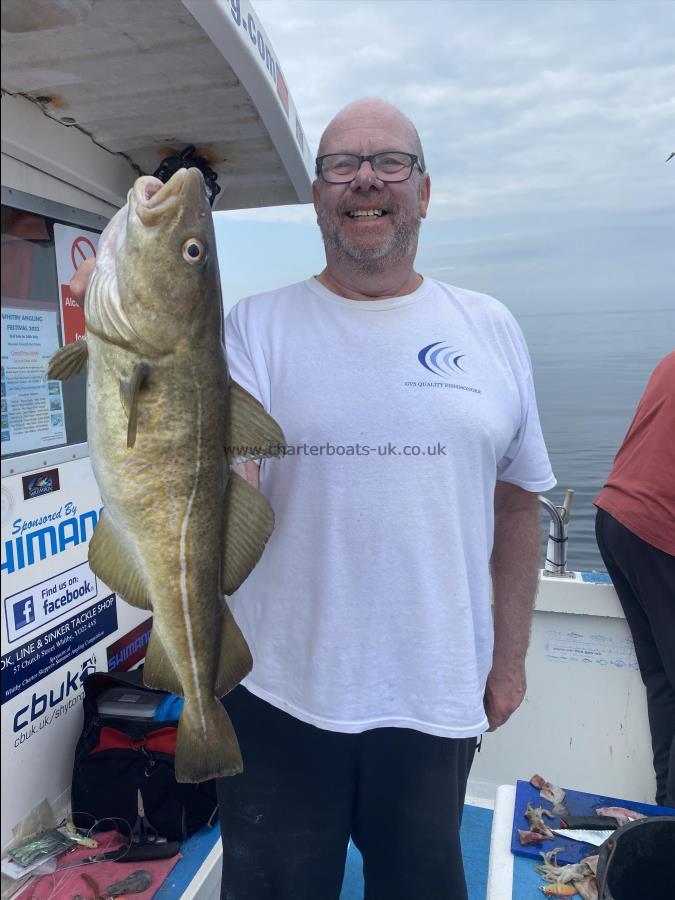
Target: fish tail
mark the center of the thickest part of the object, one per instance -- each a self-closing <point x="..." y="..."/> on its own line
<point x="206" y="752"/>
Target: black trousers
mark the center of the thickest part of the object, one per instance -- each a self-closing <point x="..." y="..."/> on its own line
<point x="286" y="821"/>
<point x="644" y="579"/>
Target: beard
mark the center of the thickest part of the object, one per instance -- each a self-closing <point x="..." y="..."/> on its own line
<point x="371" y="260"/>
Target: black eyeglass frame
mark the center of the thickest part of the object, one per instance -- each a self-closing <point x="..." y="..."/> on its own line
<point x="414" y="161"/>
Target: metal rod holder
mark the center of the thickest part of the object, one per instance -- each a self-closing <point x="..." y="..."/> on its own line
<point x="556" y="551"/>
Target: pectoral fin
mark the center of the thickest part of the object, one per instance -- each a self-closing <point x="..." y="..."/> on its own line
<point x="129" y="391"/>
<point x="112" y="562"/>
<point x="235" y="658"/>
<point x="249" y="522"/>
<point x="158" y="671"/>
<point x="251" y="432"/>
<point x="67" y="361"/>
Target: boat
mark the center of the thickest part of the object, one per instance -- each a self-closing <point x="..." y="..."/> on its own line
<point x="94" y="93"/>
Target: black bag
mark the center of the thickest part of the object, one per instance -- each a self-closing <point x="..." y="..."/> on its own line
<point x="637" y="860"/>
<point x="115" y="757"/>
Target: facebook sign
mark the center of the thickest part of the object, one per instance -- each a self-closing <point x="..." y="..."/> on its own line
<point x="24" y="612"/>
<point x="35" y="605"/>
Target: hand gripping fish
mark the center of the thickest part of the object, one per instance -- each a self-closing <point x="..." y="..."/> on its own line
<point x="179" y="530"/>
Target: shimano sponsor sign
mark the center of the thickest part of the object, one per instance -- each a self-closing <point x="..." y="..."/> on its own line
<point x="34" y="607"/>
<point x="34" y="540"/>
<point x="41" y="483"/>
<point x="34" y="660"/>
<point x="130" y="649"/>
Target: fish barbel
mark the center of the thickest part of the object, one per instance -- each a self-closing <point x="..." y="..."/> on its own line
<point x="179" y="530"/>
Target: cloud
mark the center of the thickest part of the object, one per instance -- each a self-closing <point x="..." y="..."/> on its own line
<point x="555" y="93"/>
<point x="540" y="121"/>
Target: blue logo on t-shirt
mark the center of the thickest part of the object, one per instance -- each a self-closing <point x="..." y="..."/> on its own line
<point x="24" y="612"/>
<point x="441" y="359"/>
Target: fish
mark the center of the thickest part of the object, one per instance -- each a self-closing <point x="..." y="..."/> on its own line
<point x="179" y="530"/>
<point x="535" y="818"/>
<point x="557" y="889"/>
<point x="622" y="815"/>
<point x="550" y="792"/>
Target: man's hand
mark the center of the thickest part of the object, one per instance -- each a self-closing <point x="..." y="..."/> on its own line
<point x="504" y="692"/>
<point x="249" y="471"/>
<point x="515" y="575"/>
<point x="81" y="278"/>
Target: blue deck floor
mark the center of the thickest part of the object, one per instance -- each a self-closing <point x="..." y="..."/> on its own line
<point x="476" y="827"/>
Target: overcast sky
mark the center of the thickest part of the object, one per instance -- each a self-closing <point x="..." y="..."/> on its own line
<point x="545" y="125"/>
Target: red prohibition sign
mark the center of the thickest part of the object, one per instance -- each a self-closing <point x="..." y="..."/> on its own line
<point x="78" y="252"/>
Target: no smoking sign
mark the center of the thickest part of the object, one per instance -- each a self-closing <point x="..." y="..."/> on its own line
<point x="73" y="245"/>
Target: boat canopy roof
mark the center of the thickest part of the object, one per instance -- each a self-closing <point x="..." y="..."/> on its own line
<point x="144" y="80"/>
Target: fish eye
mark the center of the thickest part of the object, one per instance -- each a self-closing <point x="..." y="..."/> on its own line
<point x="193" y="250"/>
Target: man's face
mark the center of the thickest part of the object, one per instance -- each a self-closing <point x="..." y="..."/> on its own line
<point x="376" y="242"/>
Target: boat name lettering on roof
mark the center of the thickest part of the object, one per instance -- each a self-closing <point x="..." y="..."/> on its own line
<point x="256" y="35"/>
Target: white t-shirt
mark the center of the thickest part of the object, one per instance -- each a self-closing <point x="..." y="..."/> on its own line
<point x="370" y="606"/>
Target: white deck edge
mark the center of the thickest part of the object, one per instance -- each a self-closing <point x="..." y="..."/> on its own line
<point x="206" y="882"/>
<point x="500" y="867"/>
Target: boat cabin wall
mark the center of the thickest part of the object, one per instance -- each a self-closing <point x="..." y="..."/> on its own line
<point x="60" y="623"/>
<point x="583" y="724"/>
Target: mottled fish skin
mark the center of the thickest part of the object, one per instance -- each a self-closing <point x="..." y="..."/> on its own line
<point x="157" y="419"/>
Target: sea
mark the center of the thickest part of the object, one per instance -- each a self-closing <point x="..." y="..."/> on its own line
<point x="590" y="370"/>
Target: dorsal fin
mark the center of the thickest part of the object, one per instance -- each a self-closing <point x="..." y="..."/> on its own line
<point x="248" y="523"/>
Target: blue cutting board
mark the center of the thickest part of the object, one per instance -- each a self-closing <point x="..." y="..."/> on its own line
<point x="578" y="804"/>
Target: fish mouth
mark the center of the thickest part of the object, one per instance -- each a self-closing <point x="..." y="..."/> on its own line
<point x="154" y="199"/>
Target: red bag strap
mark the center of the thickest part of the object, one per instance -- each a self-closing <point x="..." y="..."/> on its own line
<point x="161" y="740"/>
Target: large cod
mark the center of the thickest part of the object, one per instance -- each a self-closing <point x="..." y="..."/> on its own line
<point x="179" y="529"/>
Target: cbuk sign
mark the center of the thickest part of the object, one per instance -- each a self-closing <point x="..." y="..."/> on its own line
<point x="44" y="708"/>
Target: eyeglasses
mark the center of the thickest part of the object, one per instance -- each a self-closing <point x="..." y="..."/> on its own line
<point x="389" y="165"/>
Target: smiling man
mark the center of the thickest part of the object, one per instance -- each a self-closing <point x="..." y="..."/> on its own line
<point x="369" y="205"/>
<point x="408" y="492"/>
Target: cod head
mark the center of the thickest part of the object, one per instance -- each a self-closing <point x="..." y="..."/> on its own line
<point x="155" y="288"/>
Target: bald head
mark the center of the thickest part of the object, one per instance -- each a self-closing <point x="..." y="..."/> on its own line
<point x="381" y="119"/>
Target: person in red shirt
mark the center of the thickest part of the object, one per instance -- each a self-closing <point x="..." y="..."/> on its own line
<point x="635" y="531"/>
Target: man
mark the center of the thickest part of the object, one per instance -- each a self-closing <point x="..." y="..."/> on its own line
<point x="415" y="458"/>
<point x="635" y="530"/>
